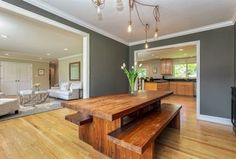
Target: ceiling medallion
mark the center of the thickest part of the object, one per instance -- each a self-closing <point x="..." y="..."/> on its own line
<point x="133" y="6"/>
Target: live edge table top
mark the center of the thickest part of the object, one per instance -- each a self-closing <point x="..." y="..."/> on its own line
<point x="112" y="107"/>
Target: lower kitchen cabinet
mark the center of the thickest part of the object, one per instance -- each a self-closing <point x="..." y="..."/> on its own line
<point x="163" y="86"/>
<point x="178" y="88"/>
<point x="182" y="88"/>
<point x="151" y="86"/>
<point x="154" y="86"/>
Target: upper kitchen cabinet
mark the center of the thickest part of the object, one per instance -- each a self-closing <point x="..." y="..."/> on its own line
<point x="166" y="67"/>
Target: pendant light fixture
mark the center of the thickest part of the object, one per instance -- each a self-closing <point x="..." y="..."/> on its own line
<point x="134" y="5"/>
<point x="131" y="6"/>
<point x="156" y="15"/>
<point x="146" y="32"/>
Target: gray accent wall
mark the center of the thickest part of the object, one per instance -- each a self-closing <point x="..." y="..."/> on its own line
<point x="235" y="54"/>
<point x="106" y="56"/>
<point x="217" y="67"/>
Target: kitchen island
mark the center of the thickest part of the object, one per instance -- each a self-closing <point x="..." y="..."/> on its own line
<point x="124" y="125"/>
<point x="185" y="87"/>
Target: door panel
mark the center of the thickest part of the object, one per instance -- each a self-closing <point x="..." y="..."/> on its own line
<point x="24" y="76"/>
<point x="9" y="78"/>
<point x="15" y="77"/>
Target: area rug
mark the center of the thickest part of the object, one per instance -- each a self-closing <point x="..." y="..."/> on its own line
<point x="29" y="110"/>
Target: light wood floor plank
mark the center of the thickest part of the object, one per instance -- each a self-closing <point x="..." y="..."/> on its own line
<point x="49" y="136"/>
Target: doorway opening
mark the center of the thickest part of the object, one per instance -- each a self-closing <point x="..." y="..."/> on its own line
<point x="85" y="45"/>
<point x="172" y="67"/>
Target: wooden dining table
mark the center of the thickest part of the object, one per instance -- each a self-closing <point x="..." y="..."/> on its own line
<point x="112" y="112"/>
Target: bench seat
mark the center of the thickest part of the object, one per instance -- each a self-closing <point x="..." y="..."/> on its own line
<point x="79" y="118"/>
<point x="138" y="135"/>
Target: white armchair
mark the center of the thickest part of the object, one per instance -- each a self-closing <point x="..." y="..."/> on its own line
<point x="66" y="90"/>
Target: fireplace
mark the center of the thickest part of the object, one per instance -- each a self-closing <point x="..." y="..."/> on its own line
<point x="233" y="108"/>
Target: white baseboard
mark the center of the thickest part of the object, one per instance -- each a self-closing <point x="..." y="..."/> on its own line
<point x="214" y="119"/>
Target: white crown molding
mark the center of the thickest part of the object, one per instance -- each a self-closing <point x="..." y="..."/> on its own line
<point x="71" y="18"/>
<point x="214" y="119"/>
<point x="24" y="59"/>
<point x="68" y="57"/>
<point x="187" y="32"/>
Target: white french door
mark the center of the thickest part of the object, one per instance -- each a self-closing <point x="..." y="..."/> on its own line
<point x="24" y="76"/>
<point x="15" y="77"/>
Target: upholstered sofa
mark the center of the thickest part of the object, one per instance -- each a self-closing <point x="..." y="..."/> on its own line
<point x="8" y="105"/>
<point x="67" y="91"/>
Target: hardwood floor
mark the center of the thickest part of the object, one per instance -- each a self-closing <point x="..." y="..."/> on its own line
<point x="49" y="136"/>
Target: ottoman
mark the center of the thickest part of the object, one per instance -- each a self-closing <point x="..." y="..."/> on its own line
<point x="8" y="105"/>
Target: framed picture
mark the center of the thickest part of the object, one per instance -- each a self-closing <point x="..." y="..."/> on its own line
<point x="74" y="71"/>
<point x="41" y="72"/>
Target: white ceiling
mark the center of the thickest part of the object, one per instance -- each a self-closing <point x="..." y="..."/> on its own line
<point x="34" y="40"/>
<point x="168" y="53"/>
<point x="176" y="15"/>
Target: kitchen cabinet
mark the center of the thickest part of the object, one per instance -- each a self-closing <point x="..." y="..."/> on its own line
<point x="151" y="86"/>
<point x="163" y="86"/>
<point x="154" y="86"/>
<point x="173" y="87"/>
<point x="166" y="67"/>
<point x="182" y="88"/>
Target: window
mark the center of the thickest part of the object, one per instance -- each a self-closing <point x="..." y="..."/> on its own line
<point x="192" y="70"/>
<point x="185" y="70"/>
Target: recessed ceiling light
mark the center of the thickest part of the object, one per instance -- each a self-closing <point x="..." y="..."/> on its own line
<point x="40" y="58"/>
<point x="181" y="49"/>
<point x="6" y="54"/>
<point x="3" y="36"/>
<point x="48" y="54"/>
<point x="66" y="49"/>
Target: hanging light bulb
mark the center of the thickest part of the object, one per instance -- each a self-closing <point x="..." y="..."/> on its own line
<point x="130" y="27"/>
<point x="98" y="10"/>
<point x="146" y="45"/>
<point x="130" y="18"/>
<point x="156" y="33"/>
<point x="146" y="30"/>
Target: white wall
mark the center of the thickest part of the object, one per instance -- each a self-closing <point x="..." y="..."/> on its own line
<point x="63" y="67"/>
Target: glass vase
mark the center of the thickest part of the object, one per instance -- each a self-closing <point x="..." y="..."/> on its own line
<point x="132" y="85"/>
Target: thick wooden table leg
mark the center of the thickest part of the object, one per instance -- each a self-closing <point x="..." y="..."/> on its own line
<point x="95" y="134"/>
<point x="175" y="123"/>
<point x="123" y="153"/>
<point x="85" y="133"/>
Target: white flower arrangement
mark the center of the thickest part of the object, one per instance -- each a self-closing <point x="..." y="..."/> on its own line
<point x="131" y="74"/>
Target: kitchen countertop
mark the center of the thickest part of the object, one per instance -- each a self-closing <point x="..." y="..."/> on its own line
<point x="172" y="79"/>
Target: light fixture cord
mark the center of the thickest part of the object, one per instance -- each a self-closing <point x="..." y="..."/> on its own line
<point x="146" y="30"/>
<point x="156" y="15"/>
<point x="141" y="21"/>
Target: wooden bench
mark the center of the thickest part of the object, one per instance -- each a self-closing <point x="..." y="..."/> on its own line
<point x="79" y="118"/>
<point x="139" y="136"/>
